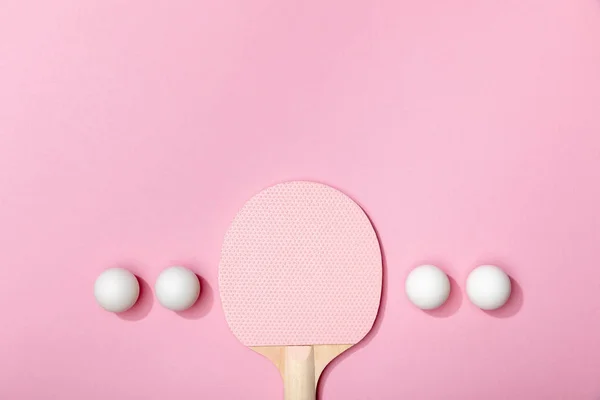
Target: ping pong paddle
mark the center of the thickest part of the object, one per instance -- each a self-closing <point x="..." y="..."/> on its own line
<point x="300" y="279"/>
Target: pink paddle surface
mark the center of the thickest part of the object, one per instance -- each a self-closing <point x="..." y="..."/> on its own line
<point x="300" y="265"/>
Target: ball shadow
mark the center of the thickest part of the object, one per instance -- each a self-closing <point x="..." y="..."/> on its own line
<point x="452" y="304"/>
<point x="513" y="305"/>
<point x="203" y="305"/>
<point x="142" y="307"/>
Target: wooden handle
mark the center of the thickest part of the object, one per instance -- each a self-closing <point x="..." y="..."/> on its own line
<point x="299" y="373"/>
<point x="301" y="366"/>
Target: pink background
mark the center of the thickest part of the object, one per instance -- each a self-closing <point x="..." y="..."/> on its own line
<point x="130" y="133"/>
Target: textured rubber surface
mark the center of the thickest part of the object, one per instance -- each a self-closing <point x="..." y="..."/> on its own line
<point x="300" y="265"/>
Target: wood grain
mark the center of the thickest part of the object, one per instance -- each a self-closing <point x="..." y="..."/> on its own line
<point x="301" y="366"/>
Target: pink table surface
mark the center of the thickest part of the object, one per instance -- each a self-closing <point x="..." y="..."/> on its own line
<point x="131" y="132"/>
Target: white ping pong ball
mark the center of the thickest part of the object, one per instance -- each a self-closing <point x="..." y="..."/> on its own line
<point x="116" y="290"/>
<point x="427" y="287"/>
<point x="177" y="288"/>
<point x="488" y="287"/>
